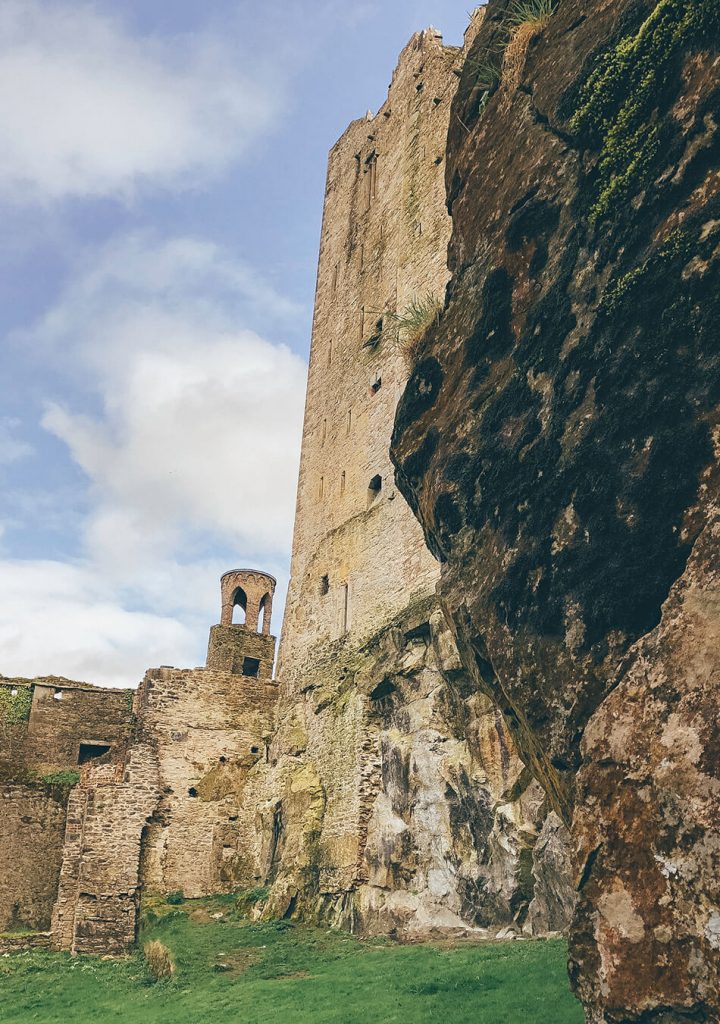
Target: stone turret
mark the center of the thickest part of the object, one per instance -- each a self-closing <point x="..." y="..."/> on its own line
<point x="244" y="647"/>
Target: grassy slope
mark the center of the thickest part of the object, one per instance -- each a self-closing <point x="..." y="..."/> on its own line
<point x="295" y="975"/>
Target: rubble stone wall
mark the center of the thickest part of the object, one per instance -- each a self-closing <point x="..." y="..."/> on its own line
<point x="32" y="827"/>
<point x="99" y="891"/>
<point x="208" y="729"/>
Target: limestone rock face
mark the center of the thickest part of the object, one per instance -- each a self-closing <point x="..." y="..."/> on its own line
<point x="557" y="440"/>
<point x="423" y="820"/>
<point x="553" y="897"/>
<point x="646" y="819"/>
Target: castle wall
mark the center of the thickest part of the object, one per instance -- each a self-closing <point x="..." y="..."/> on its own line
<point x="99" y="891"/>
<point x="359" y="559"/>
<point x="358" y="556"/>
<point x="230" y="647"/>
<point x="208" y="730"/>
<point x="44" y="722"/>
<point x="32" y="827"/>
<point x="162" y="807"/>
<point x="42" y="725"/>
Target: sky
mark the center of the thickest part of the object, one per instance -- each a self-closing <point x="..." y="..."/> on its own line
<point x="161" y="185"/>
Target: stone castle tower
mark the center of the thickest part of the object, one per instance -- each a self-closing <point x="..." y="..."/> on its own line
<point x="358" y="553"/>
<point x="394" y="800"/>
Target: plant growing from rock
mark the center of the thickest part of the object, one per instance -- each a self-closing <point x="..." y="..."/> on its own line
<point x="414" y="321"/>
<point x="531" y="12"/>
<point x="486" y="69"/>
<point x="525" y="20"/>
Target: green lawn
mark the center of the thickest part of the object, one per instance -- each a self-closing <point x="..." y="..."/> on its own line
<point x="231" y="971"/>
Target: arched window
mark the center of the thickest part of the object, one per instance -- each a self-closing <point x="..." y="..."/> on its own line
<point x="240" y="602"/>
<point x="261" y="613"/>
<point x="374" y="488"/>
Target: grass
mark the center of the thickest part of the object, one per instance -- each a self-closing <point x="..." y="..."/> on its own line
<point x="533" y="12"/>
<point x="229" y="969"/>
<point x="486" y="69"/>
<point x="61" y="778"/>
<point x="158" y="960"/>
<point x="415" y="321"/>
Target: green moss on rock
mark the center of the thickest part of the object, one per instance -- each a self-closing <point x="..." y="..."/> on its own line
<point x="620" y="97"/>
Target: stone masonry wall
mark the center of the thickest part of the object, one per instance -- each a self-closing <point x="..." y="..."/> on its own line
<point x="42" y="724"/>
<point x="96" y="909"/>
<point x="384" y="241"/>
<point x="66" y="714"/>
<point x="32" y="825"/>
<point x="208" y="729"/>
<point x="230" y="646"/>
<point x="163" y="806"/>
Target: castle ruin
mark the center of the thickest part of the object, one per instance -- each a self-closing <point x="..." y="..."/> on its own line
<point x="111" y="791"/>
<point x="370" y="785"/>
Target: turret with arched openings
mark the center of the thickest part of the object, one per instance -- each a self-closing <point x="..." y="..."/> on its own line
<point x="252" y="592"/>
<point x="242" y="642"/>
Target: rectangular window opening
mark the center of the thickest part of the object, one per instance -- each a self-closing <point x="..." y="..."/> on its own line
<point x="370" y="179"/>
<point x="89" y="751"/>
<point x="251" y="667"/>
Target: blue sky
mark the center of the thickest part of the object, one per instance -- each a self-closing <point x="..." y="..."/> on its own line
<point x="161" y="193"/>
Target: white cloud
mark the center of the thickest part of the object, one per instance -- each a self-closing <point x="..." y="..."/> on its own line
<point x="59" y="619"/>
<point x="200" y="420"/>
<point x="87" y="108"/>
<point x="188" y="427"/>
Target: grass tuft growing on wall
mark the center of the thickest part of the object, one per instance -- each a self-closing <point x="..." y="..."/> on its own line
<point x="414" y="322"/>
<point x="531" y="12"/>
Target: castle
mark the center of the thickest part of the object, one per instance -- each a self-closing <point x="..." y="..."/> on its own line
<point x="110" y="790"/>
<point x="370" y="785"/>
